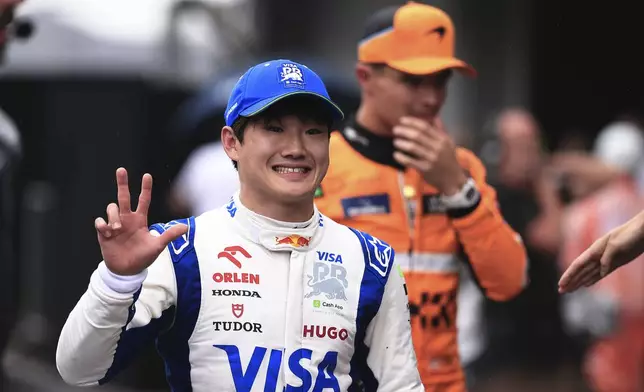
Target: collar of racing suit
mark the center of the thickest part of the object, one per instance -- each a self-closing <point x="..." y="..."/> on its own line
<point x="277" y="235"/>
<point x="376" y="148"/>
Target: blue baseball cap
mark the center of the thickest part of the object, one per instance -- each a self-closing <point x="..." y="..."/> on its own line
<point x="271" y="81"/>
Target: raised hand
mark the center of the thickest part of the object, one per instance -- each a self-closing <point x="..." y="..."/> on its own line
<point x="126" y="243"/>
<point x="428" y="149"/>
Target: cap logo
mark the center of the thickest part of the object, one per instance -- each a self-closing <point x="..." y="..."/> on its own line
<point x="291" y="76"/>
<point x="438" y="30"/>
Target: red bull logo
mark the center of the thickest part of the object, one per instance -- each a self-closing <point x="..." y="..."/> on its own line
<point x="294" y="240"/>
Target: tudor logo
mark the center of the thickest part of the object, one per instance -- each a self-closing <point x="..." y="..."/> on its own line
<point x="238" y="310"/>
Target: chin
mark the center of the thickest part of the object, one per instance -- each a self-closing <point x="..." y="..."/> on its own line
<point x="296" y="193"/>
<point x="293" y="191"/>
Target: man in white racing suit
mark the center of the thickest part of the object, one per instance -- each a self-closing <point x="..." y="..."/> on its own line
<point x="262" y="294"/>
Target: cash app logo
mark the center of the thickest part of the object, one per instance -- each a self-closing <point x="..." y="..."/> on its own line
<point x="316" y="303"/>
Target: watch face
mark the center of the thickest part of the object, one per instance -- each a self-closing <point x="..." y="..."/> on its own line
<point x="470" y="194"/>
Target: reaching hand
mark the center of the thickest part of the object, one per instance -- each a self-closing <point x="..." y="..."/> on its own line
<point x="618" y="247"/>
<point x="126" y="243"/>
<point x="428" y="149"/>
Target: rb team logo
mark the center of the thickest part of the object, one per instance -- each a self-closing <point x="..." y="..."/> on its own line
<point x="291" y="76"/>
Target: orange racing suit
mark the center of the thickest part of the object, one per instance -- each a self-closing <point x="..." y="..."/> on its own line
<point x="366" y="189"/>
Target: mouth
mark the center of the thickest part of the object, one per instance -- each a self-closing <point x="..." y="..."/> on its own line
<point x="291" y="169"/>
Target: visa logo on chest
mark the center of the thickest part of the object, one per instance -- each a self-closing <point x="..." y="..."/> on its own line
<point x="330" y="257"/>
<point x="244" y="380"/>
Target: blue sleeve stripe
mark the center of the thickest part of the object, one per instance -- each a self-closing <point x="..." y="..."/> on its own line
<point x="372" y="290"/>
<point x="173" y="344"/>
<point x="132" y="341"/>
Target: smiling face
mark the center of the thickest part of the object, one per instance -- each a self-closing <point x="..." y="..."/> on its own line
<point x="282" y="154"/>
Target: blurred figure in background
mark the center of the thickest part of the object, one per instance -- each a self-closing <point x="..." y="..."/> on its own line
<point x="207" y="178"/>
<point x="9" y="152"/>
<point x="396" y="172"/>
<point x="611" y="313"/>
<point x="526" y="343"/>
<point x="7" y="8"/>
<point x="206" y="181"/>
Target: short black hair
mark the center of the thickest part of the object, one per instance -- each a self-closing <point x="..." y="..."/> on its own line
<point x="304" y="107"/>
<point x="379" y="21"/>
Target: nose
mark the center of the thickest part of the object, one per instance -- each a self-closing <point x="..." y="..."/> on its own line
<point x="430" y="95"/>
<point x="293" y="145"/>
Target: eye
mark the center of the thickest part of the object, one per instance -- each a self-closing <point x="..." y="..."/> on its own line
<point x="314" y="131"/>
<point x="412" y="80"/>
<point x="274" y="128"/>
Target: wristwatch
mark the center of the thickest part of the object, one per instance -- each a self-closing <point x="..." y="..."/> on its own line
<point x="466" y="198"/>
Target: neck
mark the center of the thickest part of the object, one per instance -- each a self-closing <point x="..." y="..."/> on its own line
<point x="280" y="211"/>
<point x="368" y="119"/>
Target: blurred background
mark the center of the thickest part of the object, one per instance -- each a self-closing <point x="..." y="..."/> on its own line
<point x="556" y="114"/>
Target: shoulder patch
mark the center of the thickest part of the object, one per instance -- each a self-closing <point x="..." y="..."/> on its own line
<point x="379" y="255"/>
<point x="184" y="243"/>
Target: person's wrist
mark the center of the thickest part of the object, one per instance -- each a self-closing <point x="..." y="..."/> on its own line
<point x="454" y="186"/>
<point x="123" y="284"/>
<point x="465" y="198"/>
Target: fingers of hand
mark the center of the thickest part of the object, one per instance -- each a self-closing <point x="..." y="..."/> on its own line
<point x="581" y="276"/>
<point x="607" y="264"/>
<point x="103" y="228"/>
<point x="590" y="278"/>
<point x="413" y="149"/>
<point x="434" y="130"/>
<point x="414" y="122"/>
<point x="146" y="195"/>
<point x="113" y="216"/>
<point x="172" y="233"/>
<point x="123" y="189"/>
<point x="438" y="124"/>
<point x="409" y="161"/>
<point x="577" y="268"/>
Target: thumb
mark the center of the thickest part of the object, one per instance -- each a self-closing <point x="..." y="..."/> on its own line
<point x="590" y="256"/>
<point x="173" y="233"/>
<point x="606" y="263"/>
<point x="438" y="122"/>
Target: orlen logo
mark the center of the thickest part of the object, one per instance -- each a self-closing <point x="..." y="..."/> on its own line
<point x="235" y="277"/>
<point x="316" y="331"/>
<point x="230" y="252"/>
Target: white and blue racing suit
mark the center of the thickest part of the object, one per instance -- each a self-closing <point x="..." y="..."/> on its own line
<point x="246" y="303"/>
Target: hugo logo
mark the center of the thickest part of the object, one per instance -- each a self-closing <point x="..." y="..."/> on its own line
<point x="229" y="253"/>
<point x="311" y="331"/>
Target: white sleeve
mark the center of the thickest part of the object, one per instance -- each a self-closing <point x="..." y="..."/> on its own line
<point x="115" y="318"/>
<point x="391" y="355"/>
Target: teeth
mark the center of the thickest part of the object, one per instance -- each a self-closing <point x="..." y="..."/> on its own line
<point x="281" y="169"/>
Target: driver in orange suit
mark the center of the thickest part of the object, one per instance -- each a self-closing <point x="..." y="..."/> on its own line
<point x="395" y="172"/>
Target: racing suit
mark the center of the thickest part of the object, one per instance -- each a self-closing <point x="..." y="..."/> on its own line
<point x="367" y="190"/>
<point x="245" y="303"/>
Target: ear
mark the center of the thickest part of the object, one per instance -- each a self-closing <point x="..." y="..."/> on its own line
<point x="230" y="143"/>
<point x="364" y="74"/>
